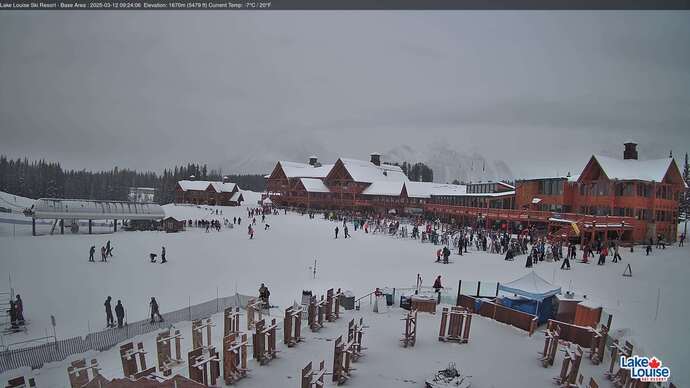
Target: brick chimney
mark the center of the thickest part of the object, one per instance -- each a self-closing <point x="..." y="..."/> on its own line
<point x="313" y="161"/>
<point x="630" y="150"/>
<point x="376" y="158"/>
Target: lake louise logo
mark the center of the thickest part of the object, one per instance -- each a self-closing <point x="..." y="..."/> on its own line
<point x="646" y="369"/>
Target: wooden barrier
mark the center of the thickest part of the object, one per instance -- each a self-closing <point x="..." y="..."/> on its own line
<point x="311" y="378"/>
<point x="231" y="321"/>
<point x="333" y="305"/>
<point x="315" y="313"/>
<point x="254" y="312"/>
<point x="21" y="382"/>
<point x="598" y="346"/>
<point x="455" y="325"/>
<point x="264" y="341"/>
<point x="580" y="335"/>
<point x="503" y="314"/>
<point x="198" y="327"/>
<point x="355" y="334"/>
<point x="234" y="357"/>
<point x="292" y="326"/>
<point x="551" y="338"/>
<point x="571" y="367"/>
<point x="410" y="335"/>
<point x="341" y="360"/>
<point x="78" y="372"/>
<point x="423" y="304"/>
<point x="204" y="365"/>
<point x="166" y="361"/>
<point x="620" y="378"/>
<point x="134" y="361"/>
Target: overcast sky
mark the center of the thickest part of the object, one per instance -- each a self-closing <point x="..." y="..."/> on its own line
<point x="540" y="90"/>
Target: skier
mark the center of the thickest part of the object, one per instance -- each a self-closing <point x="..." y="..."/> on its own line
<point x="263" y="218"/>
<point x="336" y="232"/>
<point x="438" y="255"/>
<point x="92" y="251"/>
<point x="437" y="284"/>
<point x="234" y="220"/>
<point x="239" y="220"/>
<point x="163" y="255"/>
<point x="648" y="249"/>
<point x="108" y="249"/>
<point x="108" y="313"/>
<point x="566" y="262"/>
<point x="446" y="254"/>
<point x="104" y="258"/>
<point x="120" y="313"/>
<point x="267" y="227"/>
<point x="602" y="255"/>
<point x="19" y="306"/>
<point x="681" y="240"/>
<point x="347" y="234"/>
<point x="264" y="294"/>
<point x="250" y="231"/>
<point x="154" y="310"/>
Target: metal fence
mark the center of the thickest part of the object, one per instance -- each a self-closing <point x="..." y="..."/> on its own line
<point x="36" y="356"/>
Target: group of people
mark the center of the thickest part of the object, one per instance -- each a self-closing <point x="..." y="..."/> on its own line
<point x="153" y="256"/>
<point x="106" y="251"/>
<point x="120" y="312"/>
<point x="16" y="313"/>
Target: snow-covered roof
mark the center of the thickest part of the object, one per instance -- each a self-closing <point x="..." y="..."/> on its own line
<point x="56" y="208"/>
<point x="304" y="170"/>
<point x="506" y="185"/>
<point x="237" y="197"/>
<point x="571" y="178"/>
<point x="314" y="185"/>
<point x="386" y="188"/>
<point x="219" y="187"/>
<point x="367" y="172"/>
<point x="427" y="189"/>
<point x="531" y="286"/>
<point x="633" y="169"/>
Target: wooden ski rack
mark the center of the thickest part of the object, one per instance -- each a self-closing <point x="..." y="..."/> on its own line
<point x="333" y="305"/>
<point x="204" y="365"/>
<point x="198" y="326"/>
<point x="457" y="321"/>
<point x="570" y="367"/>
<point x="292" y="326"/>
<point x="234" y="357"/>
<point x="312" y="378"/>
<point x="164" y="342"/>
<point x="598" y="347"/>
<point x="78" y="372"/>
<point x="551" y="337"/>
<point x="264" y="341"/>
<point x="134" y="361"/>
<point x="342" y="357"/>
<point x="231" y="321"/>
<point x="355" y="333"/>
<point x="410" y="335"/>
<point x="620" y="378"/>
<point x="315" y="313"/>
<point x="254" y="312"/>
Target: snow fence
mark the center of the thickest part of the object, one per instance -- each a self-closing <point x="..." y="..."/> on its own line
<point x="36" y="356"/>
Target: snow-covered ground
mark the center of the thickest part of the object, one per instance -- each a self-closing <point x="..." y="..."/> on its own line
<point x="53" y="276"/>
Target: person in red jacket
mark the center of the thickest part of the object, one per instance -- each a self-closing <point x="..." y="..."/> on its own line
<point x="437" y="284"/>
<point x="602" y="255"/>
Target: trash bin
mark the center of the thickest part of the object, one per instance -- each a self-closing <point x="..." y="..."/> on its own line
<point x="405" y="302"/>
<point x="389" y="299"/>
<point x="347" y="300"/>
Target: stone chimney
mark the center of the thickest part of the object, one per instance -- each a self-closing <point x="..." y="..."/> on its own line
<point x="376" y="158"/>
<point x="313" y="161"/>
<point x="226" y="179"/>
<point x="630" y="150"/>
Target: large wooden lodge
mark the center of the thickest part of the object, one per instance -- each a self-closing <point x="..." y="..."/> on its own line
<point x="611" y="198"/>
<point x="208" y="193"/>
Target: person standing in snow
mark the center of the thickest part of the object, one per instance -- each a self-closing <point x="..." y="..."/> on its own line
<point x="336" y="232"/>
<point x="119" y="313"/>
<point x="163" y="260"/>
<point x="250" y="231"/>
<point x="681" y="240"/>
<point x="437" y="284"/>
<point x="602" y="255"/>
<point x="446" y="255"/>
<point x="154" y="310"/>
<point x="19" y="306"/>
<point x="264" y="295"/>
<point x="104" y="258"/>
<point x="92" y="251"/>
<point x="347" y="234"/>
<point x="566" y="262"/>
<point x="263" y="218"/>
<point x="108" y="249"/>
<point x="616" y="255"/>
<point x="110" y="322"/>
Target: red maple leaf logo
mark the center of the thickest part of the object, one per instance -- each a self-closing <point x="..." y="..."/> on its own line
<point x="654" y="363"/>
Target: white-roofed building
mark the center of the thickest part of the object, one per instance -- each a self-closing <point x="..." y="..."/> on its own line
<point x="208" y="193"/>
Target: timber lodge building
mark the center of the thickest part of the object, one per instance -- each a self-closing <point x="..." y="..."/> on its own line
<point x="627" y="198"/>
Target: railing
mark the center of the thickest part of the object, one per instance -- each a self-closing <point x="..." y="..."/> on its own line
<point x="36" y="356"/>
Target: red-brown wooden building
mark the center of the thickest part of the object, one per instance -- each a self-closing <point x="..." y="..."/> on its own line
<point x="208" y="193"/>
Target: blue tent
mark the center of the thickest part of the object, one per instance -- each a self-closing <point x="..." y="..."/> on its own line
<point x="536" y="295"/>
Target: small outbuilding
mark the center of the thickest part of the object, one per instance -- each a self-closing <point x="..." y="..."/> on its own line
<point x="172" y="225"/>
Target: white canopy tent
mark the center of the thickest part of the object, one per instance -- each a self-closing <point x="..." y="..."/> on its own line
<point x="531" y="286"/>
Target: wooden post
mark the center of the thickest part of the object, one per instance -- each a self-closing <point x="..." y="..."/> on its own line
<point x="33" y="226"/>
<point x="455" y="325"/>
<point x="90" y="224"/>
<point x="234" y="357"/>
<point x="410" y="334"/>
<point x="62" y="226"/>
